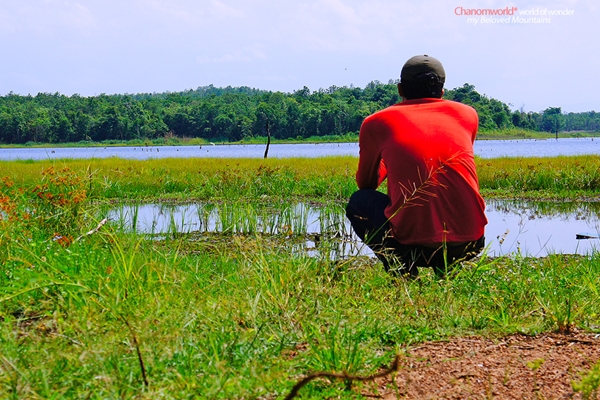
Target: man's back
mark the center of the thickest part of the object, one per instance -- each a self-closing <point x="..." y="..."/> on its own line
<point x="427" y="148"/>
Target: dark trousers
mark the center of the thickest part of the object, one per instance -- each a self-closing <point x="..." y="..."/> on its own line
<point x="365" y="210"/>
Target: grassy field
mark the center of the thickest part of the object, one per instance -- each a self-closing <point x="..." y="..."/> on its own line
<point x="322" y="180"/>
<point x="103" y="313"/>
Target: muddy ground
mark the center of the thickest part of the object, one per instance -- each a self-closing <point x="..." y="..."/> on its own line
<point x="513" y="367"/>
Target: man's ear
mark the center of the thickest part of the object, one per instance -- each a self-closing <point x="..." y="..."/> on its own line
<point x="400" y="90"/>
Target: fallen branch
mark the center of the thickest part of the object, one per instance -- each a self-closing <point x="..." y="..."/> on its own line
<point x="344" y="375"/>
<point x="96" y="229"/>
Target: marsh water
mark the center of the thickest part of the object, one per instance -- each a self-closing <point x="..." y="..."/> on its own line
<point x="483" y="148"/>
<point x="527" y="228"/>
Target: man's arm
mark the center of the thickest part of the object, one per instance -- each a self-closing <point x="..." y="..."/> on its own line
<point x="371" y="168"/>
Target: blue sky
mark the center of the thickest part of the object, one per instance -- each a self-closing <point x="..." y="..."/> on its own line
<point x="131" y="46"/>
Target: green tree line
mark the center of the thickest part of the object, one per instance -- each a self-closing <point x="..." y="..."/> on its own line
<point x="237" y="113"/>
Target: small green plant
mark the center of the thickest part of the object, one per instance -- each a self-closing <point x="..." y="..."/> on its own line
<point x="589" y="384"/>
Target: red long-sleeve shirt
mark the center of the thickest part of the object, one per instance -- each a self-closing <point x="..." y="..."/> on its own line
<point x="425" y="148"/>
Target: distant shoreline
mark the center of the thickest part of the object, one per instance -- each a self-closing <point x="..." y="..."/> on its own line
<point x="485" y="135"/>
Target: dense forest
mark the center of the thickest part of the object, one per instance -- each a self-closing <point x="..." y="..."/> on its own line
<point x="237" y="113"/>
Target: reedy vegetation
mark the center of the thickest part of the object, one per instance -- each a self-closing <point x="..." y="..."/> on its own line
<point x="322" y="180"/>
<point x="239" y="317"/>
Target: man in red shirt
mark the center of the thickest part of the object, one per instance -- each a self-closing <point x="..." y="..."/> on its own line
<point x="433" y="214"/>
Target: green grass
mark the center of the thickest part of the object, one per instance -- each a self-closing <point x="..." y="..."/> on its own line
<point x="116" y="315"/>
<point x="244" y="319"/>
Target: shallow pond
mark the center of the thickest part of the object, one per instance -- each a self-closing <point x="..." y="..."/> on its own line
<point x="528" y="228"/>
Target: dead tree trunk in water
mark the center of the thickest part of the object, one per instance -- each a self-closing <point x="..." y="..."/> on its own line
<point x="268" y="140"/>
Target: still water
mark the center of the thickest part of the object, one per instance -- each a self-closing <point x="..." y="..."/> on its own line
<point x="483" y="148"/>
<point x="530" y="229"/>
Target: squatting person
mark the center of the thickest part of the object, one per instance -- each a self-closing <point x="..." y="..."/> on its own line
<point x="433" y="214"/>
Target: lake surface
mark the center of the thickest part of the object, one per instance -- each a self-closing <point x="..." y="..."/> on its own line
<point x="515" y="227"/>
<point x="483" y="148"/>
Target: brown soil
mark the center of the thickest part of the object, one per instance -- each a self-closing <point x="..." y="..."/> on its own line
<point x="513" y="367"/>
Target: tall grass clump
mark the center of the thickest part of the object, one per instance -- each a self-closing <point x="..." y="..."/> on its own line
<point x="553" y="176"/>
<point x="323" y="179"/>
<point x="52" y="210"/>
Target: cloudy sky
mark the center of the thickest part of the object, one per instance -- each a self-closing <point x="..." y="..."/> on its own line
<point x="91" y="47"/>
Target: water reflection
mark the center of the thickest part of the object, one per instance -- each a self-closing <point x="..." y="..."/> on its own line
<point x="541" y="228"/>
<point x="529" y="228"/>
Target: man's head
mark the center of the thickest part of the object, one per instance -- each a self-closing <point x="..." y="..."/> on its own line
<point x="422" y="77"/>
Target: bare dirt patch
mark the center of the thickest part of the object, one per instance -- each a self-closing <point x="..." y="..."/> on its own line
<point x="513" y="367"/>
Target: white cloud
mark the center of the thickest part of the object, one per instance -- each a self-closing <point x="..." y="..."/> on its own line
<point x="189" y="12"/>
<point x="47" y="17"/>
<point x="377" y="26"/>
<point x="222" y="10"/>
<point x="247" y="54"/>
<point x="173" y="10"/>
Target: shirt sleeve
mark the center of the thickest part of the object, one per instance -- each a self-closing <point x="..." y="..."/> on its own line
<point x="475" y="126"/>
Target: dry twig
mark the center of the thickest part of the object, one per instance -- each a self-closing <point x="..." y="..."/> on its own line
<point x="139" y="353"/>
<point x="345" y="376"/>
